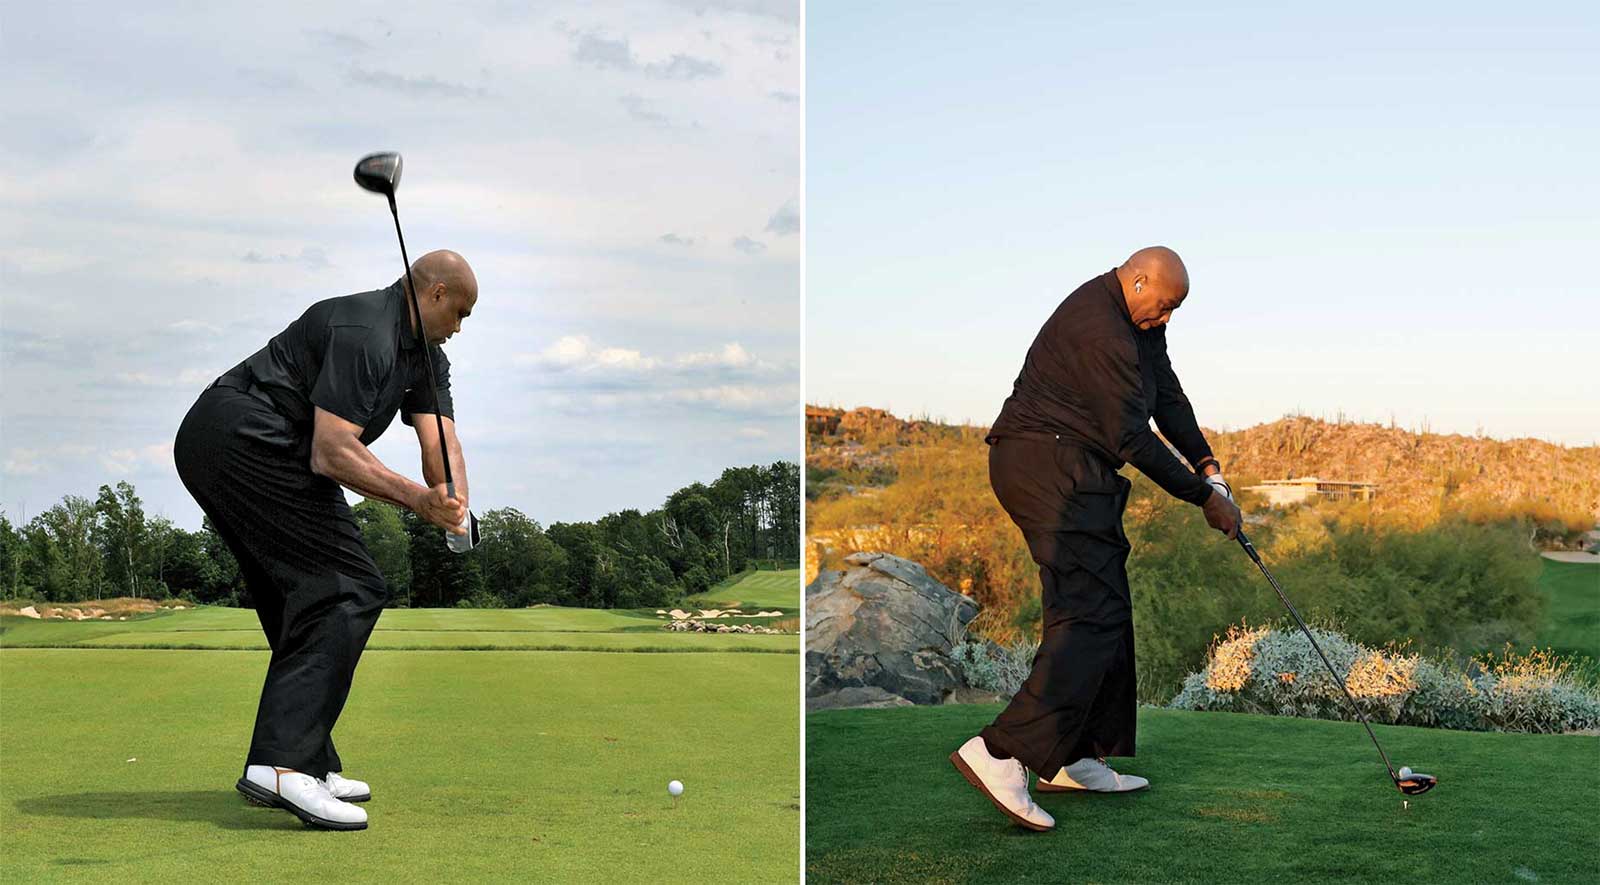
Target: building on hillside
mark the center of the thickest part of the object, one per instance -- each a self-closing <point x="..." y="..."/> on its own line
<point x="1283" y="492"/>
<point x="822" y="422"/>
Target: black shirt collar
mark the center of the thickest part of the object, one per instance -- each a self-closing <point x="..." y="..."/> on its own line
<point x="1114" y="287"/>
<point x="408" y="338"/>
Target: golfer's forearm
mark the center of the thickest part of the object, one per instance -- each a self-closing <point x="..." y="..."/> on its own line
<point x="356" y="468"/>
<point x="1145" y="451"/>
<point x="433" y="466"/>
<point x="1177" y="422"/>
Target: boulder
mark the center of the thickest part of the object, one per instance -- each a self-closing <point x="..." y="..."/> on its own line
<point x="870" y="697"/>
<point x="884" y="623"/>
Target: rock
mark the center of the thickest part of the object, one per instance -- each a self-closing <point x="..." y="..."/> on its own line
<point x="29" y="612"/>
<point x="884" y="623"/>
<point x="975" y="696"/>
<point x="867" y="697"/>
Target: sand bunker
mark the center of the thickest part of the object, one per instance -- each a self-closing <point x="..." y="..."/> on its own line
<point x="1573" y="556"/>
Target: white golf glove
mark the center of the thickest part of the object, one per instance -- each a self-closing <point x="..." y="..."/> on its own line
<point x="463" y="543"/>
<point x="1218" y="484"/>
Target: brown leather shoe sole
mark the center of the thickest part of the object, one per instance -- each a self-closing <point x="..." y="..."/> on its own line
<point x="972" y="778"/>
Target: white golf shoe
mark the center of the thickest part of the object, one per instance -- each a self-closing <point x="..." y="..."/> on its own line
<point x="301" y="795"/>
<point x="347" y="789"/>
<point x="1004" y="781"/>
<point x="1093" y="775"/>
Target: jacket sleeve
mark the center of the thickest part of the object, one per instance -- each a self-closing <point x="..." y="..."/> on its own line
<point x="1113" y="392"/>
<point x="1174" y="415"/>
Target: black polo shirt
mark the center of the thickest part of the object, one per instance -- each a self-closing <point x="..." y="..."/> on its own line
<point x="354" y="356"/>
<point x="1093" y="377"/>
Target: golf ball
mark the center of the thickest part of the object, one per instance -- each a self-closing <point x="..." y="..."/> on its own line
<point x="675" y="788"/>
<point x="1405" y="772"/>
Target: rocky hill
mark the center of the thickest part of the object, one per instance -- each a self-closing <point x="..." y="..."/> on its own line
<point x="1415" y="472"/>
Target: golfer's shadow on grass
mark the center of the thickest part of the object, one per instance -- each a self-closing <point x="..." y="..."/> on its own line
<point x="225" y="808"/>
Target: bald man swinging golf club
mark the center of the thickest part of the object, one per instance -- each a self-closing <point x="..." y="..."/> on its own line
<point x="265" y="450"/>
<point x="1081" y="408"/>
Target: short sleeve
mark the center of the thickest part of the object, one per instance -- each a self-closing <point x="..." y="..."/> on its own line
<point x="419" y="399"/>
<point x="352" y="376"/>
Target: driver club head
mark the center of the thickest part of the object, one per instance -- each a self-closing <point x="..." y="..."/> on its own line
<point x="1414" y="783"/>
<point x="379" y="173"/>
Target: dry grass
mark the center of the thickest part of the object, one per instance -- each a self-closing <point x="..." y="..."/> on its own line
<point x="98" y="609"/>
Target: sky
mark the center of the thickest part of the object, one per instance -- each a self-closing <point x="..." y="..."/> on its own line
<point x="175" y="188"/>
<point x="1388" y="211"/>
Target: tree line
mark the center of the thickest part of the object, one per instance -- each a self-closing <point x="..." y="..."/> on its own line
<point x="83" y="549"/>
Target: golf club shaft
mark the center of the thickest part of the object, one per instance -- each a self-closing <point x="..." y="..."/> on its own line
<point x="1250" y="549"/>
<point x="427" y="357"/>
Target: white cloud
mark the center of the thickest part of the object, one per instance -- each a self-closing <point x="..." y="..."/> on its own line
<point x="189" y="378"/>
<point x="121" y="304"/>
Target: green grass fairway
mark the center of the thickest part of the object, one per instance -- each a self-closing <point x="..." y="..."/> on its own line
<point x="546" y="628"/>
<point x="485" y="767"/>
<point x="755" y="590"/>
<point x="1233" y="798"/>
<point x="1572" y="626"/>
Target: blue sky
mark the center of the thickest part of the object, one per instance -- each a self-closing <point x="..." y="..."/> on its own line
<point x="175" y="188"/>
<point x="1387" y="209"/>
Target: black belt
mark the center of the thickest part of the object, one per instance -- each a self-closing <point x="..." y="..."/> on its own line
<point x="245" y="386"/>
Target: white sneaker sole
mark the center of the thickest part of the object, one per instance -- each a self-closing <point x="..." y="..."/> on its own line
<point x="262" y="796"/>
<point x="1045" y="786"/>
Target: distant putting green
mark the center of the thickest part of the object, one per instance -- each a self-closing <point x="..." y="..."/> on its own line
<point x="545" y="628"/>
<point x="1572" y="623"/>
<point x="506" y="766"/>
<point x="755" y="590"/>
<point x="1233" y="798"/>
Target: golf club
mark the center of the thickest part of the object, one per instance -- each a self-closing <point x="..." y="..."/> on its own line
<point x="380" y="173"/>
<point x="1405" y="780"/>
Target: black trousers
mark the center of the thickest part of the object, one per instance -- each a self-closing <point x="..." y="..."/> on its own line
<point x="1079" y="699"/>
<point x="318" y="594"/>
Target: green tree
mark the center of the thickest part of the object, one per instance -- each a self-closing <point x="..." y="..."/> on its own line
<point x="120" y="532"/>
<point x="520" y="563"/>
<point x="61" y="544"/>
<point x="385" y="535"/>
<point x="225" y="584"/>
<point x="13" y="552"/>
<point x="439" y="578"/>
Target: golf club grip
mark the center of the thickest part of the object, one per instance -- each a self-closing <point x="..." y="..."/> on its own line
<point x="427" y="357"/>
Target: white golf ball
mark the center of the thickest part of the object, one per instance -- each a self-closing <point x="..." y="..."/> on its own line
<point x="675" y="788"/>
<point x="1405" y="772"/>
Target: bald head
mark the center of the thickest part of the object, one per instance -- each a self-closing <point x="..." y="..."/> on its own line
<point x="443" y="267"/>
<point x="447" y="290"/>
<point x="1154" y="283"/>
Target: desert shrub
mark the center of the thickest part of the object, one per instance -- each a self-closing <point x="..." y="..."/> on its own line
<point x="1373" y="575"/>
<point x="994" y="667"/>
<point x="1277" y="672"/>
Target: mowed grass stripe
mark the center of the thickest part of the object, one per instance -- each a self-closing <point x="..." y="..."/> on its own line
<point x="476" y="641"/>
<point x="1233" y="798"/>
<point x="1572" y="622"/>
<point x="755" y="590"/>
<point x="521" y="766"/>
<point x="548" y="628"/>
